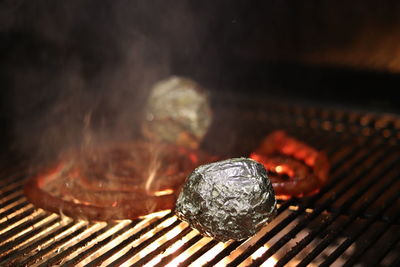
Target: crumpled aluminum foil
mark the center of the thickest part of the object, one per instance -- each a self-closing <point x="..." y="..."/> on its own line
<point x="177" y="112"/>
<point x="229" y="199"/>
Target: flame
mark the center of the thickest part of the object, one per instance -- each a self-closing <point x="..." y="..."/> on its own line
<point x="164" y="192"/>
<point x="154" y="165"/>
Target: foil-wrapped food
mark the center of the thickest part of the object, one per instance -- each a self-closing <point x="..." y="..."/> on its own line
<point x="177" y="112"/>
<point x="229" y="199"/>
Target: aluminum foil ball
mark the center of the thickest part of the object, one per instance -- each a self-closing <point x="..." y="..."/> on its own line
<point x="177" y="112"/>
<point x="229" y="199"/>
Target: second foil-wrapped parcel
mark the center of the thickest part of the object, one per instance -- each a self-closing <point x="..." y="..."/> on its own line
<point x="177" y="112"/>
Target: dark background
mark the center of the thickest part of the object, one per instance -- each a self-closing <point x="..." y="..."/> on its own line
<point x="62" y="60"/>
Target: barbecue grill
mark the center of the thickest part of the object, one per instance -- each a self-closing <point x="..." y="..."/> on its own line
<point x="354" y="219"/>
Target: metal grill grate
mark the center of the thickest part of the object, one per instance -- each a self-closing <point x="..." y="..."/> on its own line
<point x="354" y="219"/>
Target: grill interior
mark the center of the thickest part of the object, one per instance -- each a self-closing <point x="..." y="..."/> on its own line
<point x="354" y="219"/>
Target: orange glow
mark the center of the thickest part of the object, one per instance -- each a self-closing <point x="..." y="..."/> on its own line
<point x="279" y="168"/>
<point x="295" y="168"/>
<point x="193" y="157"/>
<point x="115" y="181"/>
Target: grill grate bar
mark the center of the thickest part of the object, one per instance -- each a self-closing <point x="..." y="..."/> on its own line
<point x="63" y="237"/>
<point x="196" y="246"/>
<point x="13" y="210"/>
<point x="306" y="240"/>
<point x="130" y="239"/>
<point x="22" y="228"/>
<point x="361" y="147"/>
<point x="299" y="226"/>
<point x="380" y="255"/>
<point x="323" y="227"/>
<point x="12" y="169"/>
<point x="163" y="247"/>
<point x="116" y="238"/>
<point x="78" y="258"/>
<point x="138" y="242"/>
<point x="35" y="230"/>
<point x="87" y="230"/>
<point x="276" y="226"/>
<point x="234" y="245"/>
<point x="227" y="250"/>
<point x="352" y="168"/>
<point x="325" y="242"/>
<point x="9" y="194"/>
<point x="224" y="253"/>
<point x="135" y="249"/>
<point x="11" y="198"/>
<point x="284" y="223"/>
<point x="205" y="257"/>
<point x="355" y="214"/>
<point x="57" y="258"/>
<point x="396" y="262"/>
<point x="164" y="261"/>
<point x="274" y="231"/>
<point x="360" y="230"/>
<point x="39" y="242"/>
<point x="199" y="252"/>
<point x="21" y="219"/>
<point x="10" y="181"/>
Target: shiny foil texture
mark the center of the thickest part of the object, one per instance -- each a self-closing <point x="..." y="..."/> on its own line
<point x="177" y="112"/>
<point x="230" y="199"/>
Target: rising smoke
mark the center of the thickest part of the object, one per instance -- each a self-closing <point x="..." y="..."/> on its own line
<point x="78" y="71"/>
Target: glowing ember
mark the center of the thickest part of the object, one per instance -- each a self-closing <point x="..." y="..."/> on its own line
<point x="295" y="168"/>
<point x="122" y="181"/>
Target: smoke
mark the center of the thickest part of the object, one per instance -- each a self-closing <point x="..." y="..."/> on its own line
<point x="79" y="71"/>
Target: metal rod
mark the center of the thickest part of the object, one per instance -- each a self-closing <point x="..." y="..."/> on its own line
<point x="329" y="220"/>
<point x="307" y="218"/>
